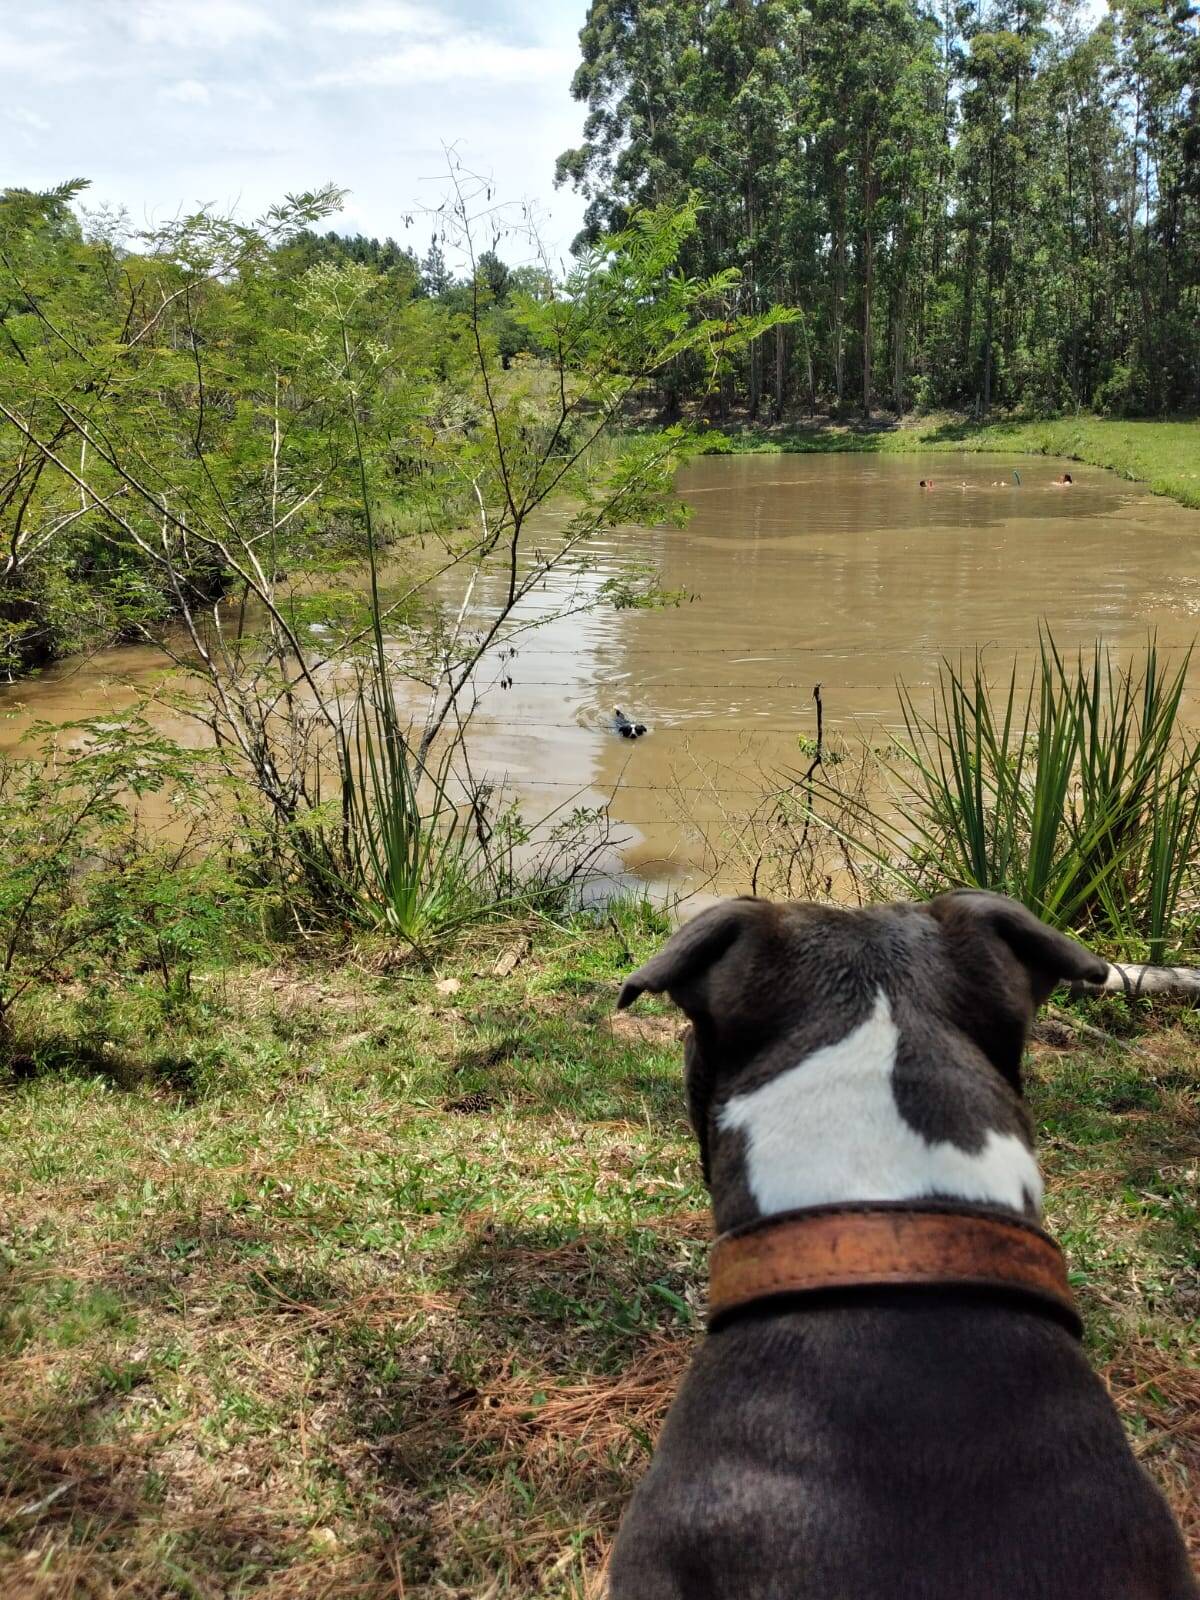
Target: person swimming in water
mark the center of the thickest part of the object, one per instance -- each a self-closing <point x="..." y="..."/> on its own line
<point x="926" y="484"/>
<point x="1062" y="483"/>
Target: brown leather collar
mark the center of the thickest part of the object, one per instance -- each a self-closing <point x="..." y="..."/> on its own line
<point x="898" y="1243"/>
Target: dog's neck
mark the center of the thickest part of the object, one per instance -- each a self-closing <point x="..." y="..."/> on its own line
<point x="830" y="1130"/>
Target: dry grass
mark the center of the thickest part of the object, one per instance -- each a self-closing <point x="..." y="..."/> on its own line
<point x="1160" y="1400"/>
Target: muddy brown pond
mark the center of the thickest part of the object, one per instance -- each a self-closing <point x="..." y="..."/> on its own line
<point x="830" y="569"/>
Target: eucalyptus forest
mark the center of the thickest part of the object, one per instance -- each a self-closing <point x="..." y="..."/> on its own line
<point x="964" y="204"/>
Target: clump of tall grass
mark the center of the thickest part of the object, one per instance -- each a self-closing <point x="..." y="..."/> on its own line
<point x="424" y="850"/>
<point x="416" y="867"/>
<point x="1079" y="797"/>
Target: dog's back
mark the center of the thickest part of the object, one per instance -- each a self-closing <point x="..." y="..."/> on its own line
<point x="896" y="1448"/>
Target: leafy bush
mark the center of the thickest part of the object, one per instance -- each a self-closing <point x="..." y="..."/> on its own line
<point x="419" y="869"/>
<point x="80" y="885"/>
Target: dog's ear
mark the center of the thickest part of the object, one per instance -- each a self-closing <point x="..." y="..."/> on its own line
<point x="684" y="964"/>
<point x="1050" y="957"/>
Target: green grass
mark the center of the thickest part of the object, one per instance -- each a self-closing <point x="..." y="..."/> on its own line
<point x="1163" y="455"/>
<point x="352" y="1281"/>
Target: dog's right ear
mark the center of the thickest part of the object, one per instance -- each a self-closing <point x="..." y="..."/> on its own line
<point x="1049" y="957"/>
<point x="683" y="966"/>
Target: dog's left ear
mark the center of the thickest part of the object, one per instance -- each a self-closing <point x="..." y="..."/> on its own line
<point x="684" y="967"/>
<point x="1050" y="957"/>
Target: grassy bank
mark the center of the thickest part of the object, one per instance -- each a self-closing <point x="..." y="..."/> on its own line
<point x="356" y="1281"/>
<point x="1163" y="455"/>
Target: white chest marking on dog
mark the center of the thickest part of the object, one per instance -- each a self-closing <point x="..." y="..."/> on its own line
<point x="829" y="1130"/>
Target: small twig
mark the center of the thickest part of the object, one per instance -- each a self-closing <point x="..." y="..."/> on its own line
<point x="36" y="1506"/>
<point x="1089" y="1032"/>
<point x="818" y="759"/>
<point x="626" y="952"/>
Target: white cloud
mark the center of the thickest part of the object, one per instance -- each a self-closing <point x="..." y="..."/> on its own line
<point x="186" y="24"/>
<point x="26" y="119"/>
<point x="384" y="16"/>
<point x="43" y="61"/>
<point x="463" y="58"/>
<point x="173" y="103"/>
<point x="187" y="92"/>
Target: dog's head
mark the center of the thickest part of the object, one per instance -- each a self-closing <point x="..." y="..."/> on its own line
<point x="768" y="986"/>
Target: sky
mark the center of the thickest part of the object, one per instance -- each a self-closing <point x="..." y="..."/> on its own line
<point x="169" y="104"/>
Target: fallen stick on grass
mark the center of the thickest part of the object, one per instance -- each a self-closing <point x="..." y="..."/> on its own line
<point x="1085" y="1030"/>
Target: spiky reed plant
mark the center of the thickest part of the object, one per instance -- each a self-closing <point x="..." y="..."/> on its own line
<point x="1080" y="797"/>
<point x="418" y="867"/>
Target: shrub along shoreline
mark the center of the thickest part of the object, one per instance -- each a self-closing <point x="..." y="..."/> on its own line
<point x="1163" y="455"/>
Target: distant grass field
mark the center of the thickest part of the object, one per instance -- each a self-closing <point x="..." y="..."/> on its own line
<point x="1163" y="455"/>
<point x="358" y="1281"/>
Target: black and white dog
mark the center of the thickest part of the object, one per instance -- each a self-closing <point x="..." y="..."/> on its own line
<point x="930" y="1442"/>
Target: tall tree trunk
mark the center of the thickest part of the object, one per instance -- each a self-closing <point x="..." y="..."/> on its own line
<point x="839" y="296"/>
<point x="899" y="334"/>
<point x="867" y="331"/>
<point x="990" y="291"/>
<point x="809" y="371"/>
<point x="756" y="361"/>
<point x="899" y="353"/>
<point x="970" y="268"/>
<point x="1072" y="289"/>
<point x="868" y="271"/>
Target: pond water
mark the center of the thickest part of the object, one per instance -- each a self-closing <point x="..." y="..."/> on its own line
<point x="799" y="569"/>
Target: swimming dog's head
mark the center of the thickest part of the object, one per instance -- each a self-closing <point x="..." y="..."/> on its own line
<point x="842" y="1055"/>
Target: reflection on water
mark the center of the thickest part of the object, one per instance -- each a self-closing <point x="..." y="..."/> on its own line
<point x="801" y="569"/>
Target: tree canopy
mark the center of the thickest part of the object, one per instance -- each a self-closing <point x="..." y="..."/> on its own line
<point x="200" y="409"/>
